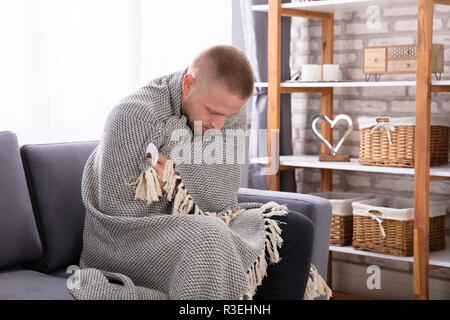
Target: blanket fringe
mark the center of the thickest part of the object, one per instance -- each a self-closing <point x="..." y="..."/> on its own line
<point x="258" y="270"/>
<point x="148" y="188"/>
<point x="316" y="286"/>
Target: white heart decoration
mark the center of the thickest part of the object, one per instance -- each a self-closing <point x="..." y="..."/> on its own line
<point x="332" y="123"/>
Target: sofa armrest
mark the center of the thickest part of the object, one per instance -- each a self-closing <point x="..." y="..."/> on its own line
<point x="318" y="210"/>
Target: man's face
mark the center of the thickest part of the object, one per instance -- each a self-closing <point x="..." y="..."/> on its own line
<point x="211" y="105"/>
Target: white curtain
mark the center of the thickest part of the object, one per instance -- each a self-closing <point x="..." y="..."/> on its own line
<point x="64" y="64"/>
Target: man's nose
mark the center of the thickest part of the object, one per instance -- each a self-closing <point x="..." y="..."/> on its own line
<point x="218" y="123"/>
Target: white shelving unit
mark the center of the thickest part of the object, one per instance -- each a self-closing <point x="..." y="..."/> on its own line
<point x="437" y="258"/>
<point x="308" y="161"/>
<point x="351" y="84"/>
<point x="325" y="10"/>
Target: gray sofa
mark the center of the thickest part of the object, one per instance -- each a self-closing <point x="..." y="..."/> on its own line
<point x="41" y="216"/>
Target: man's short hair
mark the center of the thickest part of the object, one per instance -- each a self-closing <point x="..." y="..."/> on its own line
<point x="226" y="65"/>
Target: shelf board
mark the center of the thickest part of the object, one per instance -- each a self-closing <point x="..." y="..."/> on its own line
<point x="353" y="84"/>
<point x="439" y="258"/>
<point x="311" y="161"/>
<point x="334" y="6"/>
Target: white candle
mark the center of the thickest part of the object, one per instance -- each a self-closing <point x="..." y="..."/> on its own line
<point x="331" y="72"/>
<point x="311" y="72"/>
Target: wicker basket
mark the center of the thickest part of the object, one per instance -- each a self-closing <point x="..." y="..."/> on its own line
<point x="342" y="218"/>
<point x="386" y="225"/>
<point x="390" y="141"/>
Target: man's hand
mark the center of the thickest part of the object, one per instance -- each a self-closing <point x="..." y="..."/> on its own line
<point x="159" y="167"/>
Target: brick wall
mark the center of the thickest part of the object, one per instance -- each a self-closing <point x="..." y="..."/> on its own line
<point x="398" y="26"/>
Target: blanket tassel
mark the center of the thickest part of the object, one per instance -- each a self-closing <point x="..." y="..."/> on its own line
<point x="148" y="187"/>
<point x="316" y="286"/>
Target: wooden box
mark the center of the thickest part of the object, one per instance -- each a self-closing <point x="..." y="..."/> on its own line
<point x="399" y="59"/>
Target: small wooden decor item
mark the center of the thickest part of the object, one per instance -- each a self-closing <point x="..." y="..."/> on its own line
<point x="339" y="158"/>
<point x="398" y="59"/>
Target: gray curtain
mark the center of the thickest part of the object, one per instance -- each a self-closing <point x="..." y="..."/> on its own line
<point x="253" y="27"/>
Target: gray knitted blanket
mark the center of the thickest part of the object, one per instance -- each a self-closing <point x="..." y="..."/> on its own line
<point x="190" y="239"/>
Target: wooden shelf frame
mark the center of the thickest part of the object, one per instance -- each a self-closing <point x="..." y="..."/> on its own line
<point x="424" y="86"/>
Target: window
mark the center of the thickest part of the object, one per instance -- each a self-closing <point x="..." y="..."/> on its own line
<point x="65" y="64"/>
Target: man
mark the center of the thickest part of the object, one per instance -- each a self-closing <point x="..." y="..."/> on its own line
<point x="208" y="100"/>
<point x="180" y="233"/>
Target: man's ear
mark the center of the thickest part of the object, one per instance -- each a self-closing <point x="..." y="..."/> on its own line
<point x="188" y="82"/>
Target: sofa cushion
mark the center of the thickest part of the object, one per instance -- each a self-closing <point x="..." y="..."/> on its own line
<point x="19" y="237"/>
<point x="20" y="284"/>
<point x="62" y="273"/>
<point x="54" y="173"/>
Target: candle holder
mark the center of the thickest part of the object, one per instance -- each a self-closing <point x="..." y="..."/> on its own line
<point x="330" y="72"/>
<point x="312" y="72"/>
<point x="316" y="73"/>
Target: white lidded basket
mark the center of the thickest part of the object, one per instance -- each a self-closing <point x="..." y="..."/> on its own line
<point x="387" y="141"/>
<point x="386" y="225"/>
<point x="370" y="122"/>
<point x="342" y="219"/>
